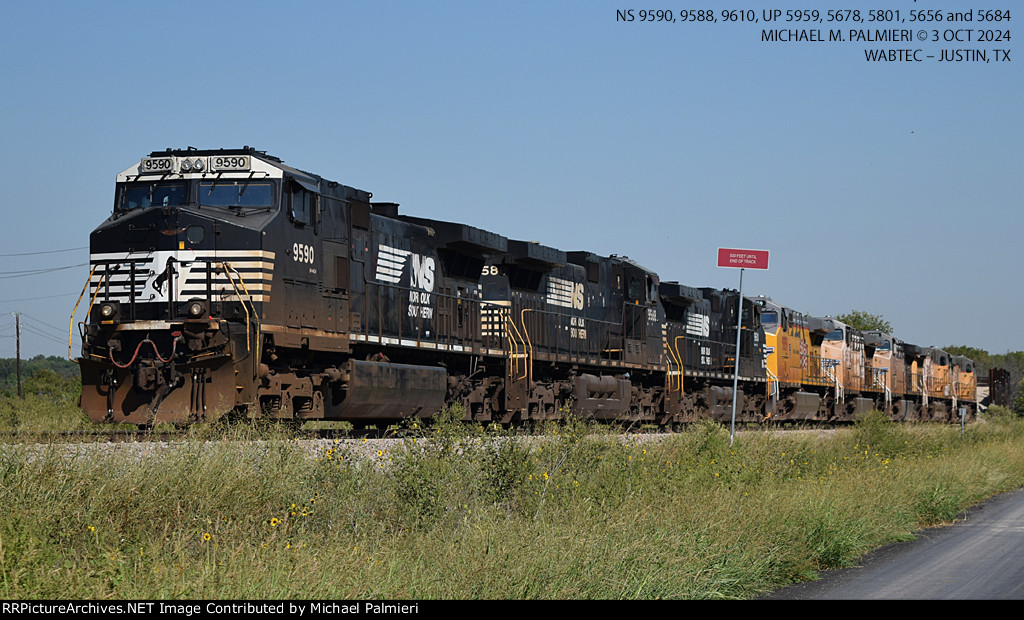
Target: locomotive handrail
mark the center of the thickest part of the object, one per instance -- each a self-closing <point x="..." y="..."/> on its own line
<point x="672" y="360"/>
<point x="827" y="367"/>
<point x="878" y="376"/>
<point x="517" y="338"/>
<point x="529" y="354"/>
<point x="773" y="383"/>
<point x="259" y="336"/>
<point x="224" y="266"/>
<point x="681" y="360"/>
<point x="773" y="394"/>
<point x="515" y="344"/>
<point x="71" y="321"/>
<point x="510" y="321"/>
<point x="241" y="280"/>
<point x="513" y="347"/>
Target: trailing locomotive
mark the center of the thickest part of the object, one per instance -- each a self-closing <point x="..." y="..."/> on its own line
<point x="228" y="282"/>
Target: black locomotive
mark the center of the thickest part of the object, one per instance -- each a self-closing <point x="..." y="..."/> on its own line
<point x="228" y="282"/>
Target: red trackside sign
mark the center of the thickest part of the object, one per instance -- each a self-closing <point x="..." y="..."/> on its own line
<point x="743" y="259"/>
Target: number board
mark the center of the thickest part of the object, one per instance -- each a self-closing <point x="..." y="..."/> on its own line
<point x="221" y="163"/>
<point x="156" y="165"/>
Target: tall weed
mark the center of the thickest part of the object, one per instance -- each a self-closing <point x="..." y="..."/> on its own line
<point x="459" y="511"/>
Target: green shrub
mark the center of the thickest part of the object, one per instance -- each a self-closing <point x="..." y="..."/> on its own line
<point x="875" y="431"/>
<point x="998" y="411"/>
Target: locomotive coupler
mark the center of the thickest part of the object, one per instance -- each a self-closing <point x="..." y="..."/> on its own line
<point x="147" y="375"/>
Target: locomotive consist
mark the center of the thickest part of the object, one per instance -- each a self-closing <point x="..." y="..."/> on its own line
<point x="228" y="282"/>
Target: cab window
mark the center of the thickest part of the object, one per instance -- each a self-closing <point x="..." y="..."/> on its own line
<point x="236" y="193"/>
<point x="144" y="195"/>
<point x="302" y="205"/>
<point x="636" y="289"/>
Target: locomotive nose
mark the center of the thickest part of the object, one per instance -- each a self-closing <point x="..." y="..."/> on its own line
<point x="163" y="228"/>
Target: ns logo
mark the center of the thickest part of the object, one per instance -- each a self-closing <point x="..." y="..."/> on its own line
<point x="577" y="296"/>
<point x="422" y="276"/>
<point x="391" y="263"/>
<point x="565" y="293"/>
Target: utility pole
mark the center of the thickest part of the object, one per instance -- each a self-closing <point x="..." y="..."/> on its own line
<point x="17" y="332"/>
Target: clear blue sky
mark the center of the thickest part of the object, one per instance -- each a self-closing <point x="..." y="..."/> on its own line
<point x="893" y="188"/>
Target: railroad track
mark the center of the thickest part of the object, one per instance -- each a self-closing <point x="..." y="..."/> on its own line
<point x="127" y="435"/>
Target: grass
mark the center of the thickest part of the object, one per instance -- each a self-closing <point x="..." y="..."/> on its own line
<point x="42" y="411"/>
<point x="458" y="512"/>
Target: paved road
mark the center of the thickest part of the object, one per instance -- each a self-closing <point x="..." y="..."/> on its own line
<point x="981" y="557"/>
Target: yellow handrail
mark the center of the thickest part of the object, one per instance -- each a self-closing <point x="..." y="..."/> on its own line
<point x="71" y="321"/>
<point x="508" y="319"/>
<point x="672" y="360"/>
<point x="682" y="362"/>
<point x="259" y="336"/>
<point x="513" y="347"/>
<point x="225" y="266"/>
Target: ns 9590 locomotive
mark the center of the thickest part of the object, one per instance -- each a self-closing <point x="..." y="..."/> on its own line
<point x="226" y="282"/>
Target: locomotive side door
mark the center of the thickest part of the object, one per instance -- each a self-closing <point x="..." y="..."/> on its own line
<point x="335" y="234"/>
<point x="300" y="269"/>
<point x="634" y="315"/>
<point x="315" y="242"/>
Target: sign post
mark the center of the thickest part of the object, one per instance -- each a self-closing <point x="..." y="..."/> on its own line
<point x="741" y="259"/>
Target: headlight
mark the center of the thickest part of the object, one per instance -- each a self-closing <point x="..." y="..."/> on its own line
<point x="197" y="309"/>
<point x="186" y="165"/>
<point x="107" y="312"/>
<point x="198" y="165"/>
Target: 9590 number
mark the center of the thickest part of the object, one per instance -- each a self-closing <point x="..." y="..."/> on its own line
<point x="150" y="165"/>
<point x="229" y="162"/>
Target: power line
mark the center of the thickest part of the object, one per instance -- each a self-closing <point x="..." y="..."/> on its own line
<point x="7" y="301"/>
<point x="35" y="272"/>
<point x="29" y="328"/>
<point x="25" y="314"/>
<point x="45" y="252"/>
<point x="42" y="334"/>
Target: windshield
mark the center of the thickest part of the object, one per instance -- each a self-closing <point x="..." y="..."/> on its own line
<point x="143" y="195"/>
<point x="769" y="318"/>
<point x="835" y="334"/>
<point x="236" y="193"/>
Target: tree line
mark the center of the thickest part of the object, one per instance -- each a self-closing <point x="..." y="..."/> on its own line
<point x="39" y="374"/>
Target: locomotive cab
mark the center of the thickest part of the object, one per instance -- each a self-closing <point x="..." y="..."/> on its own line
<point x="183" y="274"/>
